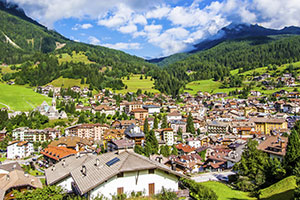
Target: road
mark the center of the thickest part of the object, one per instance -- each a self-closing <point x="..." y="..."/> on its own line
<point x="211" y="176"/>
<point x="21" y="162"/>
<point x="5" y="105"/>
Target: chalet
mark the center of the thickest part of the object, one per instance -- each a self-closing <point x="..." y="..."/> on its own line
<point x="123" y="124"/>
<point x="53" y="154"/>
<point x="111" y="174"/>
<point x="135" y="133"/>
<point x="152" y="109"/>
<point x="103" y="109"/>
<point x="185" y="149"/>
<point x="175" y="115"/>
<point x="73" y="142"/>
<point x="17" y="180"/>
<point x="119" y="145"/>
<point x="217" y="127"/>
<point x="139" y="114"/>
<point x="88" y="131"/>
<point x="274" y="146"/>
<point x="19" y="149"/>
<point x="267" y="125"/>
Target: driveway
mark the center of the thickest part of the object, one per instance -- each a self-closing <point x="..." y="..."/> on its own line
<point x="211" y="176"/>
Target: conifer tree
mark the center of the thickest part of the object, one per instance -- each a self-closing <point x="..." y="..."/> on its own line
<point x="190" y="124"/>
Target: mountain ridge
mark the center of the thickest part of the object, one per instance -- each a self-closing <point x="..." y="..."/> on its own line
<point x="230" y="32"/>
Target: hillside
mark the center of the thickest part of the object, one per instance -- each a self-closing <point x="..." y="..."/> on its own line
<point x="22" y="36"/>
<point x="283" y="189"/>
<point x="230" y="32"/>
<point x="44" y="55"/>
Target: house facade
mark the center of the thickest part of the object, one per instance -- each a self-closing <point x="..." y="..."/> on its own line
<point x="19" y="149"/>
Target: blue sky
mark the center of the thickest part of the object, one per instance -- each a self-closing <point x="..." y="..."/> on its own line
<point x="155" y="28"/>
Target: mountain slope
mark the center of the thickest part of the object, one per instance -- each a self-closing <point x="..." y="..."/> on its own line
<point x="16" y="28"/>
<point x="231" y="32"/>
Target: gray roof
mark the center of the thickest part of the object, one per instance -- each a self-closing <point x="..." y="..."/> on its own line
<point x="11" y="166"/>
<point x="58" y="172"/>
<point x="131" y="133"/>
<point x="97" y="174"/>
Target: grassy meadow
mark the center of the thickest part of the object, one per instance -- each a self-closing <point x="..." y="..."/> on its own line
<point x="283" y="189"/>
<point x="135" y="83"/>
<point x="20" y="98"/>
<point x="75" y="57"/>
<point x="224" y="192"/>
<point x="67" y="82"/>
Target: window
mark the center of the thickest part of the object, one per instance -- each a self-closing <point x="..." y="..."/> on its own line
<point x="151" y="171"/>
<point x="121" y="174"/>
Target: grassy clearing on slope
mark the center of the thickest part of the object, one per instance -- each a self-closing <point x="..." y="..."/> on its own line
<point x="76" y="57"/>
<point x="67" y="82"/>
<point x="203" y="85"/>
<point x="283" y="189"/>
<point x="136" y="83"/>
<point x="226" y="193"/>
<point x="20" y="98"/>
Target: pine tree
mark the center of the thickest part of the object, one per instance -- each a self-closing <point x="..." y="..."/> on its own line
<point x="190" y="124"/>
<point x="146" y="127"/>
<point x="155" y="125"/>
<point x="292" y="156"/>
<point x="164" y="122"/>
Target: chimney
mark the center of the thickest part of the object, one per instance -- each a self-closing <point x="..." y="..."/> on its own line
<point x="53" y="167"/>
<point x="32" y="181"/>
<point x="14" y="166"/>
<point x="7" y="177"/>
<point x="83" y="170"/>
<point x="97" y="162"/>
<point x="64" y="163"/>
<point x="173" y="167"/>
<point x="26" y="174"/>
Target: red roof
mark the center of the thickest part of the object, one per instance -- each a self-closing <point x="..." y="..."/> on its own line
<point x="186" y="148"/>
<point x="57" y="153"/>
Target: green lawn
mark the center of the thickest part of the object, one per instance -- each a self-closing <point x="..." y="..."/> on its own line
<point x="203" y="85"/>
<point x="20" y="98"/>
<point x="136" y="83"/>
<point x="226" y="193"/>
<point x="76" y="57"/>
<point x="283" y="189"/>
<point x="67" y="82"/>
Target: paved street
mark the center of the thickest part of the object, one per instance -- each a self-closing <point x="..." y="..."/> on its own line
<point x="211" y="176"/>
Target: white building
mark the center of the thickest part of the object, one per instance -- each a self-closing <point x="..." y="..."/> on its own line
<point x="30" y="135"/>
<point x="168" y="136"/>
<point x="111" y="174"/>
<point x="19" y="149"/>
<point x="152" y="109"/>
<point x="174" y="116"/>
<point x="194" y="142"/>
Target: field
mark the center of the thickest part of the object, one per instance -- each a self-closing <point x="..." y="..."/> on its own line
<point x="76" y="57"/>
<point x="226" y="193"/>
<point x="20" y="98"/>
<point x="214" y="86"/>
<point x="136" y="83"/>
<point x="67" y="82"/>
<point x="284" y="189"/>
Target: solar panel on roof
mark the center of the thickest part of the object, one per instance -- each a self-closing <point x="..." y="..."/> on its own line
<point x="112" y="161"/>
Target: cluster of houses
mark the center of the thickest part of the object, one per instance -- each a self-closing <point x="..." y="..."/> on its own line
<point x="74" y="157"/>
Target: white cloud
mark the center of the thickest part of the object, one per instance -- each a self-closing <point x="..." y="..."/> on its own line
<point x="131" y="28"/>
<point x="173" y="28"/>
<point x="123" y="46"/>
<point x="82" y="26"/>
<point x="93" y="40"/>
<point x="158" y="12"/>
